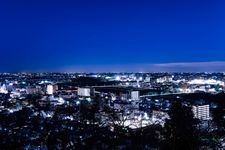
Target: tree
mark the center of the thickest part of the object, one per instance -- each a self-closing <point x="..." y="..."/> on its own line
<point x="218" y="118"/>
<point x="180" y="130"/>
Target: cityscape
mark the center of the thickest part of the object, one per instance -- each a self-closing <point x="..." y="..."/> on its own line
<point x="112" y="110"/>
<point x="112" y="75"/>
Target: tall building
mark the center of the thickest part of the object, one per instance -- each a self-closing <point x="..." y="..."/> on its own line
<point x="84" y="92"/>
<point x="201" y="112"/>
<point x="51" y="89"/>
<point x="135" y="95"/>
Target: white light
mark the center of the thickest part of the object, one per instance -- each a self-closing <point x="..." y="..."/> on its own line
<point x="117" y="78"/>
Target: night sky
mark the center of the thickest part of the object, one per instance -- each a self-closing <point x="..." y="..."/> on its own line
<point x="71" y="35"/>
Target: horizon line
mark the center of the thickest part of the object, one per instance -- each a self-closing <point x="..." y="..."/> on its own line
<point x="210" y="66"/>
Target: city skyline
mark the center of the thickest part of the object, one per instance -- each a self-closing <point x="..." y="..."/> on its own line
<point x="112" y="74"/>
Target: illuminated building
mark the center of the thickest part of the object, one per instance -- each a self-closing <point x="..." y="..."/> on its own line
<point x="85" y="92"/>
<point x="135" y="95"/>
<point x="201" y="112"/>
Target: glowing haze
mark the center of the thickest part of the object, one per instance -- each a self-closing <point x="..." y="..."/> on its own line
<point x="166" y="67"/>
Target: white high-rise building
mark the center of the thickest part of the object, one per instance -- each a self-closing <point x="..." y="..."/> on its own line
<point x="135" y="95"/>
<point x="201" y="112"/>
<point x="50" y="89"/>
<point x="85" y="92"/>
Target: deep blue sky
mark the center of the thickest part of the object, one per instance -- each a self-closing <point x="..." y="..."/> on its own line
<point x="51" y="35"/>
